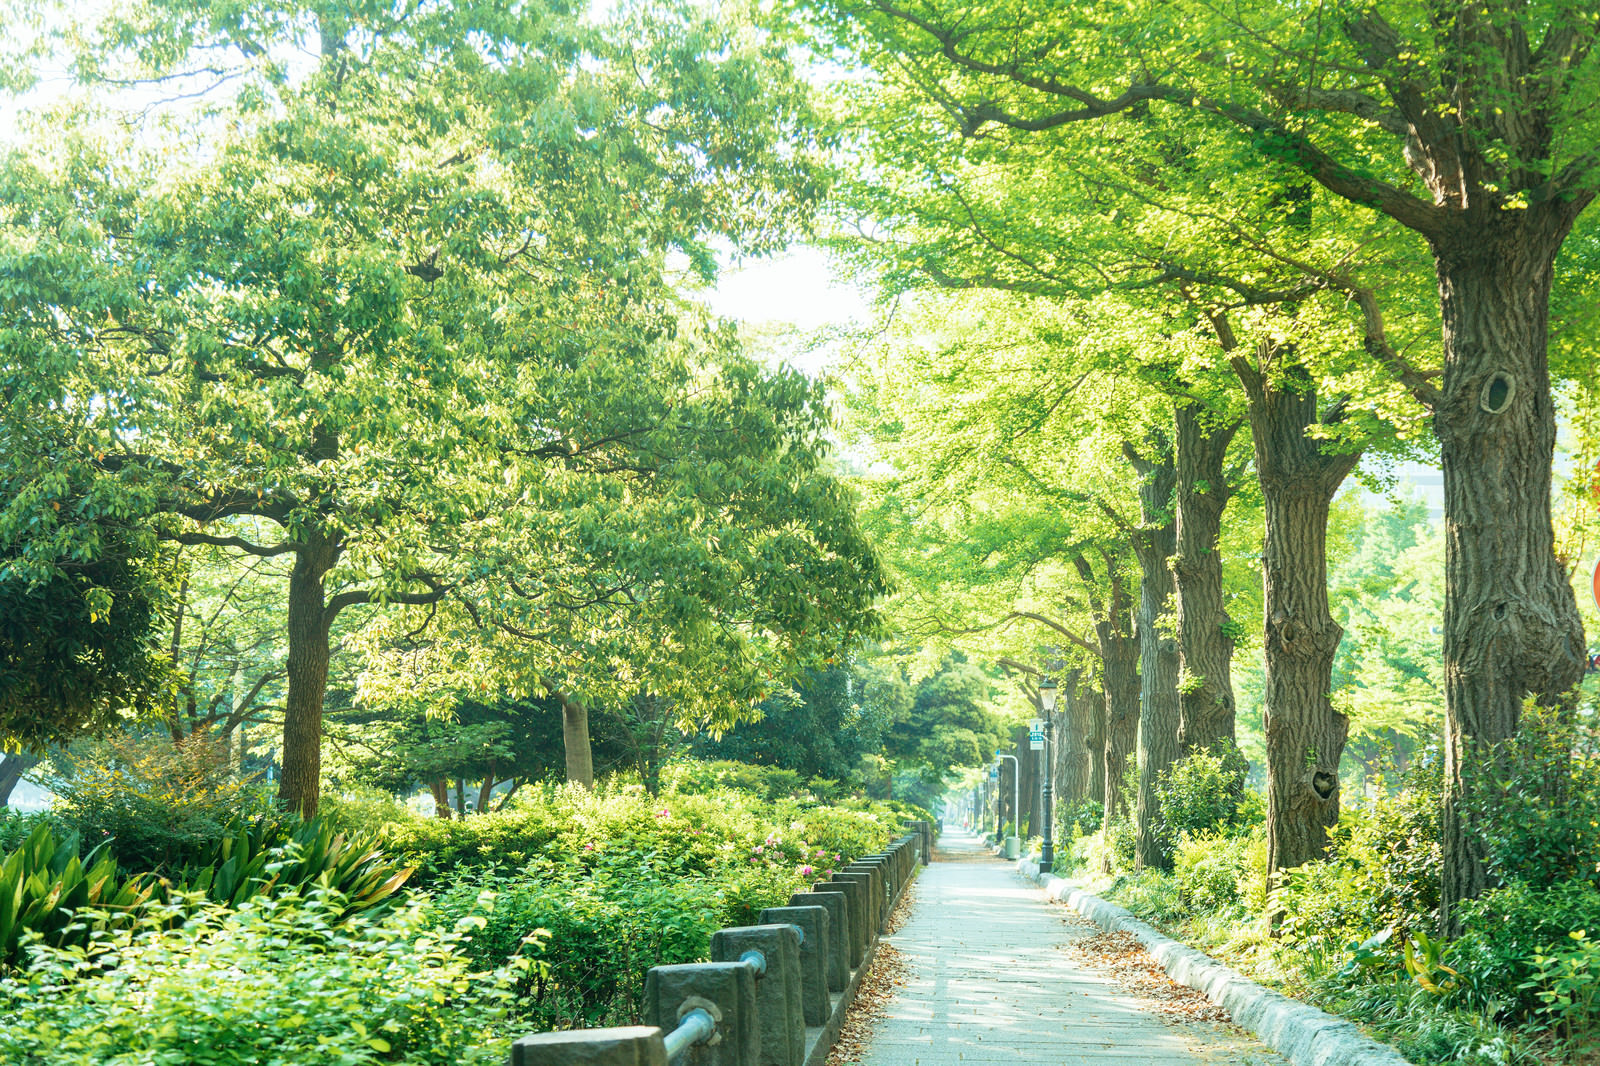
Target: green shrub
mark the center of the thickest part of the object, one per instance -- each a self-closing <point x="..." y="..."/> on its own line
<point x="1534" y="801"/>
<point x="1506" y="927"/>
<point x="1215" y="872"/>
<point x="1382" y="873"/>
<point x="1078" y="818"/>
<point x="45" y="883"/>
<point x="16" y="826"/>
<point x="594" y="938"/>
<point x="1204" y="793"/>
<point x="767" y="782"/>
<point x="689" y="834"/>
<point x="160" y="805"/>
<point x="1566" y="981"/>
<point x="279" y="980"/>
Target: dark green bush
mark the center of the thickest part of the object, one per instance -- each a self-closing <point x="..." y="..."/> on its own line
<point x="1382" y="872"/>
<point x="1535" y="800"/>
<point x="594" y="938"/>
<point x="1084" y="815"/>
<point x="16" y="826"/>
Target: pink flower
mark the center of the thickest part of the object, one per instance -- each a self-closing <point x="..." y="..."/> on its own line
<point x="758" y="849"/>
<point x="663" y="813"/>
<point x="806" y="871"/>
<point x="588" y="847"/>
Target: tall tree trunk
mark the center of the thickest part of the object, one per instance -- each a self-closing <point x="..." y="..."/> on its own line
<point x="1076" y="751"/>
<point x="300" y="786"/>
<point x="486" y="790"/>
<point x="1028" y="759"/>
<point x="1511" y="626"/>
<point x="1122" y="720"/>
<point x="575" y="741"/>
<point x="1305" y="735"/>
<point x="1205" y="648"/>
<point x="12" y="766"/>
<point x="441" y="799"/>
<point x="1155" y="544"/>
<point x="1094" y="701"/>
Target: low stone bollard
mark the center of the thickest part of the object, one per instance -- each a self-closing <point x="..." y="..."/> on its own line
<point x="871" y="898"/>
<point x="860" y="930"/>
<point x="815" y="949"/>
<point x="780" y="1009"/>
<point x="837" y="904"/>
<point x="633" y="1045"/>
<point x="725" y="990"/>
<point x="878" y="889"/>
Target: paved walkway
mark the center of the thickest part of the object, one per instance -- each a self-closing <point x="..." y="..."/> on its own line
<point x="988" y="982"/>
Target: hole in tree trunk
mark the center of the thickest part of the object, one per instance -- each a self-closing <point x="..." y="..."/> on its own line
<point x="1497" y="392"/>
<point x="1499" y="611"/>
<point x="1323" y="783"/>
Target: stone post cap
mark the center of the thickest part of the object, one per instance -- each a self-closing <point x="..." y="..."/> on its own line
<point x="632" y="1045"/>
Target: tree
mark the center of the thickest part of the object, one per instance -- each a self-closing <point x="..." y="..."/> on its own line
<point x="413" y="311"/>
<point x="823" y="723"/>
<point x="1464" y="124"/>
<point x="80" y="611"/>
<point x="491" y="744"/>
<point x="949" y="726"/>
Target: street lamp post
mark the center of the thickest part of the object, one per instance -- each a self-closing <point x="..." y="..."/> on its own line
<point x="1013" y="842"/>
<point x="1047" y="703"/>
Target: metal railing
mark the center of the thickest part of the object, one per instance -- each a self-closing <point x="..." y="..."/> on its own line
<point x="696" y="1027"/>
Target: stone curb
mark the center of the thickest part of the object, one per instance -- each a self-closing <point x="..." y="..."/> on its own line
<point x="1303" y="1034"/>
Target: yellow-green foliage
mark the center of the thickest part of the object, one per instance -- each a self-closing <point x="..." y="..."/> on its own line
<point x="159" y="804"/>
<point x="1214" y="871"/>
<point x="687" y="834"/>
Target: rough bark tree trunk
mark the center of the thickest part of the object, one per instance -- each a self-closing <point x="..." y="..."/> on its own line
<point x="1094" y="700"/>
<point x="441" y="799"/>
<point x="1028" y="759"/>
<point x="307" y="667"/>
<point x="12" y="767"/>
<point x="1122" y="720"/>
<point x="1076" y="733"/>
<point x="1511" y="626"/>
<point x="1305" y="735"/>
<point x="1155" y="544"/>
<point x="1205" y="648"/>
<point x="1119" y="676"/>
<point x="575" y="741"/>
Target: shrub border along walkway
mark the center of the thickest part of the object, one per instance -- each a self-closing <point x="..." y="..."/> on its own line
<point x="1301" y="1033"/>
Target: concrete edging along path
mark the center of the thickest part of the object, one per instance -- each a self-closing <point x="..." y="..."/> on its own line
<point x="1301" y="1033"/>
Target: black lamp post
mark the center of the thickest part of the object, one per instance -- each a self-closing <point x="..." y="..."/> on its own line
<point x="1047" y="703"/>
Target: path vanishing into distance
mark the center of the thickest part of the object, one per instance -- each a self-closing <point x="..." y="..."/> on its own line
<point x="992" y="973"/>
